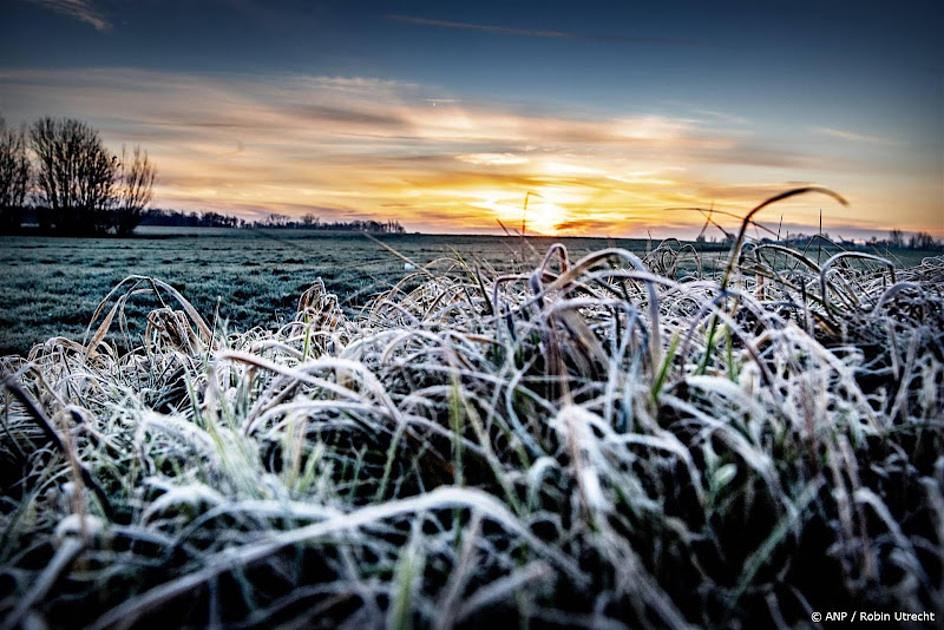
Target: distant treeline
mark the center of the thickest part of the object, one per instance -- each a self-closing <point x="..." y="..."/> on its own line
<point x="312" y="222"/>
<point x="918" y="240"/>
<point x="179" y="218"/>
<point x="896" y="239"/>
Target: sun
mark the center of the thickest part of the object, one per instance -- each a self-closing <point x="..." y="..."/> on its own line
<point x="541" y="216"/>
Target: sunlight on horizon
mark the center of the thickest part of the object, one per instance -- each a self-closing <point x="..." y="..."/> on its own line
<point x="541" y="215"/>
<point x="348" y="148"/>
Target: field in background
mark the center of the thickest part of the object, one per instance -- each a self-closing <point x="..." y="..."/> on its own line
<point x="51" y="286"/>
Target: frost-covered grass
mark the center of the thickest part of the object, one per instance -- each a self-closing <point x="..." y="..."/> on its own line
<point x="50" y="286"/>
<point x="599" y="442"/>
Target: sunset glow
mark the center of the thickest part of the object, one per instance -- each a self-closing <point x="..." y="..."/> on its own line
<point x="459" y="156"/>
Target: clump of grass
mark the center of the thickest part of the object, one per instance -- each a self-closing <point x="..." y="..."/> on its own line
<point x="595" y="442"/>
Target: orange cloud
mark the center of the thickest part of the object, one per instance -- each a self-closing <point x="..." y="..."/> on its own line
<point x="346" y="147"/>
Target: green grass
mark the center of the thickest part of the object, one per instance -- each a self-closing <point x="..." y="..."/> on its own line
<point x="607" y="440"/>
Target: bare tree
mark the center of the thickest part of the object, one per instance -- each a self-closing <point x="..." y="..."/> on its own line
<point x="75" y="175"/>
<point x="135" y="186"/>
<point x="921" y="240"/>
<point x="896" y="238"/>
<point x="83" y="187"/>
<point x="14" y="176"/>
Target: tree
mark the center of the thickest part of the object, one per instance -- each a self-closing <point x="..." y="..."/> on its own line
<point x="75" y="175"/>
<point x="135" y="185"/>
<point x="14" y="176"/>
<point x="896" y="238"/>
<point x="81" y="186"/>
<point x="921" y="240"/>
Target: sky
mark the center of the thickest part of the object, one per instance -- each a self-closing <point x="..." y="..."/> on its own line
<point x="612" y="118"/>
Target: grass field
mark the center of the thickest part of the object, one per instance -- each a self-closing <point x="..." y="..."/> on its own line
<point x="577" y="436"/>
<point x="51" y="286"/>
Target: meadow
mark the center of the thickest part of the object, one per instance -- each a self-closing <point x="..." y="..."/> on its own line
<point x="468" y="430"/>
<point x="51" y="286"/>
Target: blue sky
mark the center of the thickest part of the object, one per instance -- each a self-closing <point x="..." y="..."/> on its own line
<point x="449" y="113"/>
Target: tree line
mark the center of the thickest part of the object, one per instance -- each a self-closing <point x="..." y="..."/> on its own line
<point x="918" y="240"/>
<point x="313" y="222"/>
<point x="59" y="171"/>
<point x="181" y="218"/>
<point x="896" y="239"/>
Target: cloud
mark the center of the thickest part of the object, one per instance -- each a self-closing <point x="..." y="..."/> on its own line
<point x="367" y="147"/>
<point x="583" y="226"/>
<point x="851" y="136"/>
<point x="82" y="10"/>
<point x="546" y="34"/>
<point x="357" y="117"/>
<point x="724" y="117"/>
<point x="482" y="28"/>
<point x="492" y="159"/>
